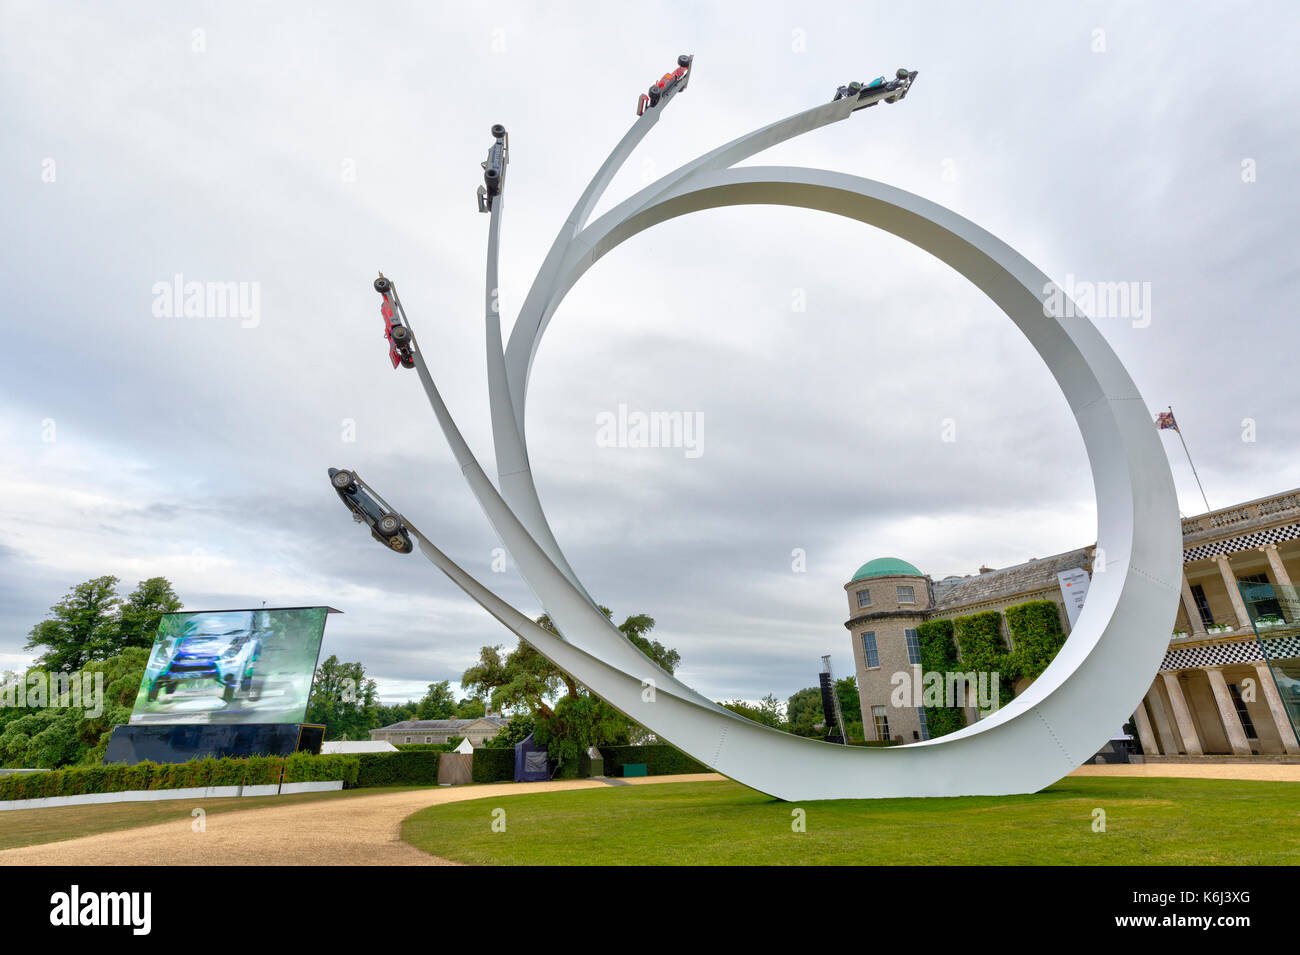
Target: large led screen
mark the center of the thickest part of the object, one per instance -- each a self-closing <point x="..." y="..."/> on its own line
<point x="231" y="666"/>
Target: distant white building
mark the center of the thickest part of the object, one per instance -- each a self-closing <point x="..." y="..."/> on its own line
<point x="358" y="746"/>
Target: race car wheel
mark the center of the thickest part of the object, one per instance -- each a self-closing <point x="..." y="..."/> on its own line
<point x="401" y="336"/>
<point x="152" y="695"/>
<point x="902" y="74"/>
<point x="169" y="688"/>
<point x="343" y="480"/>
<point x="382" y="285"/>
<point x="498" y="131"/>
<point x="389" y="524"/>
<point x="684" y="61"/>
<point x="228" y="691"/>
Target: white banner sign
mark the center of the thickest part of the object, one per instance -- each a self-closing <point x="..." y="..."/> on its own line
<point x="1074" y="588"/>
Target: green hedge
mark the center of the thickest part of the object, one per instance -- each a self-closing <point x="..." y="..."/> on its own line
<point x="405" y="768"/>
<point x="660" y="760"/>
<point x="306" y="768"/>
<point x="427" y="747"/>
<point x="119" y="777"/>
<point x="494" y="765"/>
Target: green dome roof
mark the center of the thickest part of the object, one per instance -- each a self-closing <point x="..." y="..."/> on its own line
<point x="886" y="567"/>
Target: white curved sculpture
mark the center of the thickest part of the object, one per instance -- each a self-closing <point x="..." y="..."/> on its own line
<point x="1094" y="682"/>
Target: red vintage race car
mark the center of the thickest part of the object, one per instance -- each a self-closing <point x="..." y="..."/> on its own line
<point x="676" y="80"/>
<point x="400" y="346"/>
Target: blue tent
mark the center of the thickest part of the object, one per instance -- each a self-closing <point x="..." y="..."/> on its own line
<point x="531" y="764"/>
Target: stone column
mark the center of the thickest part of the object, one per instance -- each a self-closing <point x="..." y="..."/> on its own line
<point x="1193" y="612"/>
<point x="1280" y="576"/>
<point x="1275" y="706"/>
<point x="1145" y="734"/>
<point x="1182" y="715"/>
<point x="1228" y="712"/>
<point x="1230" y="581"/>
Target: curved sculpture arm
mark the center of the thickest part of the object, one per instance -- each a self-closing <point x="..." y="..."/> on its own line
<point x="541" y="301"/>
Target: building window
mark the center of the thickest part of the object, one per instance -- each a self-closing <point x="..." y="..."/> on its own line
<point x="906" y="594"/>
<point x="1243" y="714"/>
<point x="864" y="598"/>
<point x="881" y="721"/>
<point x="408" y="739"/>
<point x="1267" y="607"/>
<point x="869" y="652"/>
<point x="428" y="739"/>
<point x="925" y="722"/>
<point x="913" y="647"/>
<point x="1202" y="605"/>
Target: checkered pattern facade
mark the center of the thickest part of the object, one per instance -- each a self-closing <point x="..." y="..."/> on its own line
<point x="1230" y="545"/>
<point x="1224" y="654"/>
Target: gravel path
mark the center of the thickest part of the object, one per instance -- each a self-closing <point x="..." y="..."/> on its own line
<point x="358" y="830"/>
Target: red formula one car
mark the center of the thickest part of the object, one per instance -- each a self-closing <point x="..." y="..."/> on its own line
<point x="677" y="80"/>
<point x="400" y="346"/>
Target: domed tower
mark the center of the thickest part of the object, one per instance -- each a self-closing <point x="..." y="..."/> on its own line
<point x="888" y="599"/>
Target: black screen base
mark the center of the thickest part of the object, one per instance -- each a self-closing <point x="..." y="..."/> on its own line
<point x="180" y="742"/>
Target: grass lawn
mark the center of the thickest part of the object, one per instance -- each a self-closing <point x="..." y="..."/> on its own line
<point x="1148" y="822"/>
<point x="30" y="827"/>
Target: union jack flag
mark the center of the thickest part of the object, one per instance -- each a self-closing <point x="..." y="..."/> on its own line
<point x="1165" y="419"/>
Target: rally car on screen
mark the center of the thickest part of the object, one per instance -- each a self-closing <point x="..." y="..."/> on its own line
<point x="227" y="656"/>
<point x="676" y="80"/>
<point x="869" y="94"/>
<point x="367" y="507"/>
<point x="400" y="346"/>
<point x="494" y="169"/>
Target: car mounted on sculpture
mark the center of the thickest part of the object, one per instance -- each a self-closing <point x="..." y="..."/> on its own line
<point x="227" y="657"/>
<point x="494" y="169"/>
<point x="676" y="80"/>
<point x="869" y="94"/>
<point x="367" y="507"/>
<point x="400" y="346"/>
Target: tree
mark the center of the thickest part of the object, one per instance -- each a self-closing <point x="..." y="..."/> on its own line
<point x="142" y="611"/>
<point x="567" y="717"/>
<point x="470" y="709"/>
<point x="846" y="688"/>
<point x="518" y="729"/>
<point x="81" y="627"/>
<point x="635" y="629"/>
<point x="767" y="711"/>
<point x="803" y="713"/>
<point x="344" y="700"/>
<point x="438" y="703"/>
<point x="54" y="732"/>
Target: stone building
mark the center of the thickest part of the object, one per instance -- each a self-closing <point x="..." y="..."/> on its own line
<point x="477" y="731"/>
<point x="1214" y="695"/>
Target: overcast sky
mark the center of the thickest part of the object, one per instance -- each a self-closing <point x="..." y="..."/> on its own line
<point x="302" y="147"/>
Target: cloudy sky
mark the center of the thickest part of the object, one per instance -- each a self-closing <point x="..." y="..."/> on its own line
<point x="301" y="147"/>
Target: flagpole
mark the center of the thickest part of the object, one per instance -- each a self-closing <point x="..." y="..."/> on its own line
<point x="1189" y="461"/>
